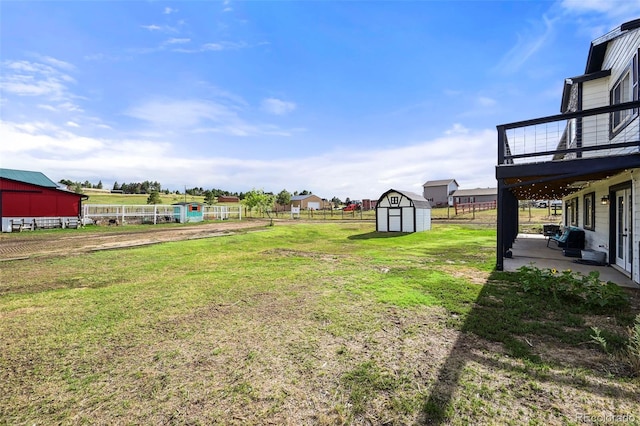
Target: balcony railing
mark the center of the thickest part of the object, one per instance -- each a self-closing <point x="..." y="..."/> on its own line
<point x="605" y="131"/>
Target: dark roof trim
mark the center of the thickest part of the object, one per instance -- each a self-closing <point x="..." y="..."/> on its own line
<point x="417" y="199"/>
<point x="599" y="45"/>
<point x="568" y="82"/>
<point x="631" y="25"/>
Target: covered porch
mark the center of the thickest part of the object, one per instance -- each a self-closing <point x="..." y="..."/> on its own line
<point x="532" y="250"/>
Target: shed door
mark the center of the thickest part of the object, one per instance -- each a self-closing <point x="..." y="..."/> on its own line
<point x="395" y="220"/>
<point x="313" y="205"/>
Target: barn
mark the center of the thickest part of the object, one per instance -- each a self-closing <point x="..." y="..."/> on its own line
<point x="307" y="202"/>
<point x="402" y="211"/>
<point x="31" y="200"/>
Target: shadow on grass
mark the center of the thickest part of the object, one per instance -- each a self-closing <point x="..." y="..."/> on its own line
<point x="524" y="323"/>
<point x="370" y="235"/>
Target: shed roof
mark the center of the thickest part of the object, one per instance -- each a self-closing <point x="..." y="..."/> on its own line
<point x="26" y="176"/>
<point x="442" y="182"/>
<point x="417" y="199"/>
<point x="475" y="192"/>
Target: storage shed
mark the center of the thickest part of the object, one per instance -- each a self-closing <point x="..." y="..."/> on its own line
<point x="402" y="211"/>
<point x="188" y="212"/>
<point x="31" y="200"/>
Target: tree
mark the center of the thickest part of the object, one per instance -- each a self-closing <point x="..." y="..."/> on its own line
<point x="116" y="187"/>
<point x="257" y="198"/>
<point x="209" y="197"/>
<point x="283" y="198"/>
<point x="154" y="198"/>
<point x="99" y="185"/>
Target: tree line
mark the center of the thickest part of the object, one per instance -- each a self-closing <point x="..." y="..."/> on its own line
<point x="254" y="198"/>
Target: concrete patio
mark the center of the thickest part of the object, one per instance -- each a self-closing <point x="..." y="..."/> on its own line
<point x="532" y="250"/>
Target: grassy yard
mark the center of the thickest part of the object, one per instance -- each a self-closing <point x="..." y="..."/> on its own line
<point x="321" y="323"/>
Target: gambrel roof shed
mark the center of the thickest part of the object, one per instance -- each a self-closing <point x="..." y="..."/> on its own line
<point x="402" y="211"/>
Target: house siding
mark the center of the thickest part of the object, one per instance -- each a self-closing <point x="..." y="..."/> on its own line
<point x="636" y="226"/>
<point x="598" y="238"/>
<point x="620" y="53"/>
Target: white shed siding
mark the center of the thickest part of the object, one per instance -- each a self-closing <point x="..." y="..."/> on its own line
<point x="382" y="213"/>
<point x="423" y="220"/>
<point x="408" y="223"/>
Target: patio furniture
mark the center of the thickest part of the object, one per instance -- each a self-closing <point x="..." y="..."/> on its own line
<point x="571" y="238"/>
<point x="550" y="230"/>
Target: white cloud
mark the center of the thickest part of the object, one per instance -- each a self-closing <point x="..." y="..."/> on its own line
<point x="181" y="113"/>
<point x="26" y="78"/>
<point x="484" y="101"/>
<point x="529" y="41"/>
<point x="201" y="116"/>
<point x="72" y="124"/>
<point x="169" y="11"/>
<point x="610" y="8"/>
<point x="467" y="155"/>
<point x="160" y="28"/>
<point x="177" y="41"/>
<point x="277" y="106"/>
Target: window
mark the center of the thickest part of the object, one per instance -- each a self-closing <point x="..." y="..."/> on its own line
<point x="625" y="90"/>
<point x="394" y="200"/>
<point x="574" y="211"/>
<point x="589" y="211"/>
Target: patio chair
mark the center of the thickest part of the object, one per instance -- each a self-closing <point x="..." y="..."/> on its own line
<point x="571" y="238"/>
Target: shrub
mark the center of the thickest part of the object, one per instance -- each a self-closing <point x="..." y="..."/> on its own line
<point x="633" y="347"/>
<point x="572" y="286"/>
<point x="629" y="355"/>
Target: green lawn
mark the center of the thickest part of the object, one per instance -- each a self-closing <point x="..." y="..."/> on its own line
<point x="322" y="323"/>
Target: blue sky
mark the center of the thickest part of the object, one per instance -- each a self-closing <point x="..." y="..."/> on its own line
<point x="344" y="99"/>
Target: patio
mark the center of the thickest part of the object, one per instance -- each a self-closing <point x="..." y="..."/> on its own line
<point x="531" y="249"/>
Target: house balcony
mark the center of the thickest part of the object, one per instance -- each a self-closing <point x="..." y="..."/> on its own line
<point x="544" y="158"/>
<point x="552" y="157"/>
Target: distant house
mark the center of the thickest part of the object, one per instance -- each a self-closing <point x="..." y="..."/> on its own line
<point x="438" y="192"/>
<point x="307" y="202"/>
<point x="228" y="199"/>
<point x="33" y="200"/>
<point x="478" y="195"/>
<point x="402" y="211"/>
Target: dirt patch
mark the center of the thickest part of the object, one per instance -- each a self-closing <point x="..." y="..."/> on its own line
<point x="72" y="242"/>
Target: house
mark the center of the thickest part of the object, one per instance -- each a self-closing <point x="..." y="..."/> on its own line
<point x="402" y="211"/>
<point x="307" y="202"/>
<point x="31" y="200"/>
<point x="438" y="192"/>
<point x="184" y="212"/>
<point x="478" y="195"/>
<point x="588" y="156"/>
